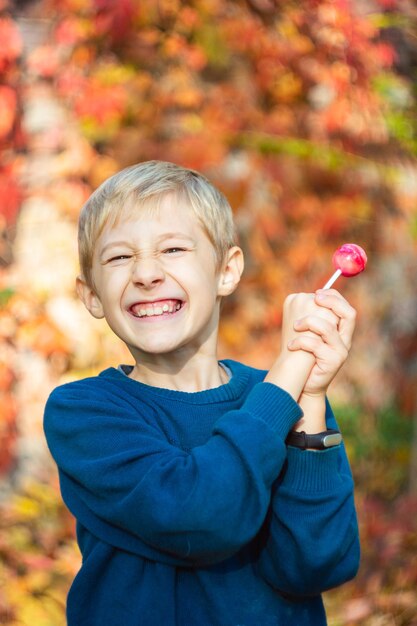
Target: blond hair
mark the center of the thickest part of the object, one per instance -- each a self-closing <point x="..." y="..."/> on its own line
<point x="145" y="184"/>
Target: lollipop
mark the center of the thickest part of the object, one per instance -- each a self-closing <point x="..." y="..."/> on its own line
<point x="348" y="260"/>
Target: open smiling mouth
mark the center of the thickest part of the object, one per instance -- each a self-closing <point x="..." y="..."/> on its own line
<point x="156" y="309"/>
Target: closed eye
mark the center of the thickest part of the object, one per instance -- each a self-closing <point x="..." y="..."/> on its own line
<point x="174" y="250"/>
<point x="119" y="257"/>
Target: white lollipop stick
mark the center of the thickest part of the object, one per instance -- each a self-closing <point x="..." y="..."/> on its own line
<point x="332" y="279"/>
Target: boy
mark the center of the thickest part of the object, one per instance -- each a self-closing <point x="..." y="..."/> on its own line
<point x="195" y="498"/>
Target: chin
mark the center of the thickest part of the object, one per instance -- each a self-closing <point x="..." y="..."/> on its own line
<point x="157" y="348"/>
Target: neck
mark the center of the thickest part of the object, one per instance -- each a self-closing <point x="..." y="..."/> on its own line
<point x="199" y="373"/>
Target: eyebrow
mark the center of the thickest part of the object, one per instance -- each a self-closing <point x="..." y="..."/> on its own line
<point x="164" y="237"/>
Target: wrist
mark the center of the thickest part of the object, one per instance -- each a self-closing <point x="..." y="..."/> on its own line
<point x="291" y="371"/>
<point x="314" y="410"/>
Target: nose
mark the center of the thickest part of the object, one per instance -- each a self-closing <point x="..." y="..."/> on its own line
<point x="147" y="272"/>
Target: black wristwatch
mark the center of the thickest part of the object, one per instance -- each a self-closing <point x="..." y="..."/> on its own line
<point x="319" y="441"/>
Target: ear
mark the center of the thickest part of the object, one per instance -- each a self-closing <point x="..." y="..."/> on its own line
<point x="89" y="297"/>
<point x="231" y="271"/>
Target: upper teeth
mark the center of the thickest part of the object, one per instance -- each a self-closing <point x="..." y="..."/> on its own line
<point x="151" y="309"/>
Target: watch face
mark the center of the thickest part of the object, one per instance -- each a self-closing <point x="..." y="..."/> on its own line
<point x="332" y="440"/>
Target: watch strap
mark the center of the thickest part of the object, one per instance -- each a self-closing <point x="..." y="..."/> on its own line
<point x="320" y="441"/>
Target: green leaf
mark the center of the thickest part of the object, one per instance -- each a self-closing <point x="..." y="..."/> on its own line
<point x="5" y="295"/>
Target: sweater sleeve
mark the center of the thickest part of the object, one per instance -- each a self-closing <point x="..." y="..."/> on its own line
<point x="310" y="539"/>
<point x="124" y="481"/>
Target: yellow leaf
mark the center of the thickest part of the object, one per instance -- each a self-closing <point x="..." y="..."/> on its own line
<point x="26" y="508"/>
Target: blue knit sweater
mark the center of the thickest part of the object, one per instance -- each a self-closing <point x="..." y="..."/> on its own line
<point x="190" y="509"/>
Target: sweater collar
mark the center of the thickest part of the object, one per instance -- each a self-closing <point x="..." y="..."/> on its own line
<point x="238" y="382"/>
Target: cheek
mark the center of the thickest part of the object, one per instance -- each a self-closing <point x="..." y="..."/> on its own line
<point x="116" y="277"/>
<point x="110" y="288"/>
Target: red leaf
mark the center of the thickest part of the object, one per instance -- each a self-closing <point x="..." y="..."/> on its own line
<point x="8" y="105"/>
<point x="10" y="196"/>
<point x="11" y="43"/>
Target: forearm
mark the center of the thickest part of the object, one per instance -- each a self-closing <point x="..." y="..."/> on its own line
<point x="312" y="527"/>
<point x="311" y="539"/>
<point x="290" y="372"/>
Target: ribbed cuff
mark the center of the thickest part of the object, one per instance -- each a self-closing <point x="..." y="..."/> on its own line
<point x="311" y="470"/>
<point x="273" y="405"/>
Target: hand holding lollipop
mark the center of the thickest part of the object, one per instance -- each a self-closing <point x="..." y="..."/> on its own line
<point x="348" y="260"/>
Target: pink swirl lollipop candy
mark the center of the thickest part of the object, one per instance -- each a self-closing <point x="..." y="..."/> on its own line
<point x="349" y="260"/>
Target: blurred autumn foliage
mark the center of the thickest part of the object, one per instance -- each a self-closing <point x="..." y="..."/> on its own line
<point x="304" y="114"/>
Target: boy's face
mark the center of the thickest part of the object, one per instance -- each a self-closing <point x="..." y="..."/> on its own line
<point x="157" y="283"/>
